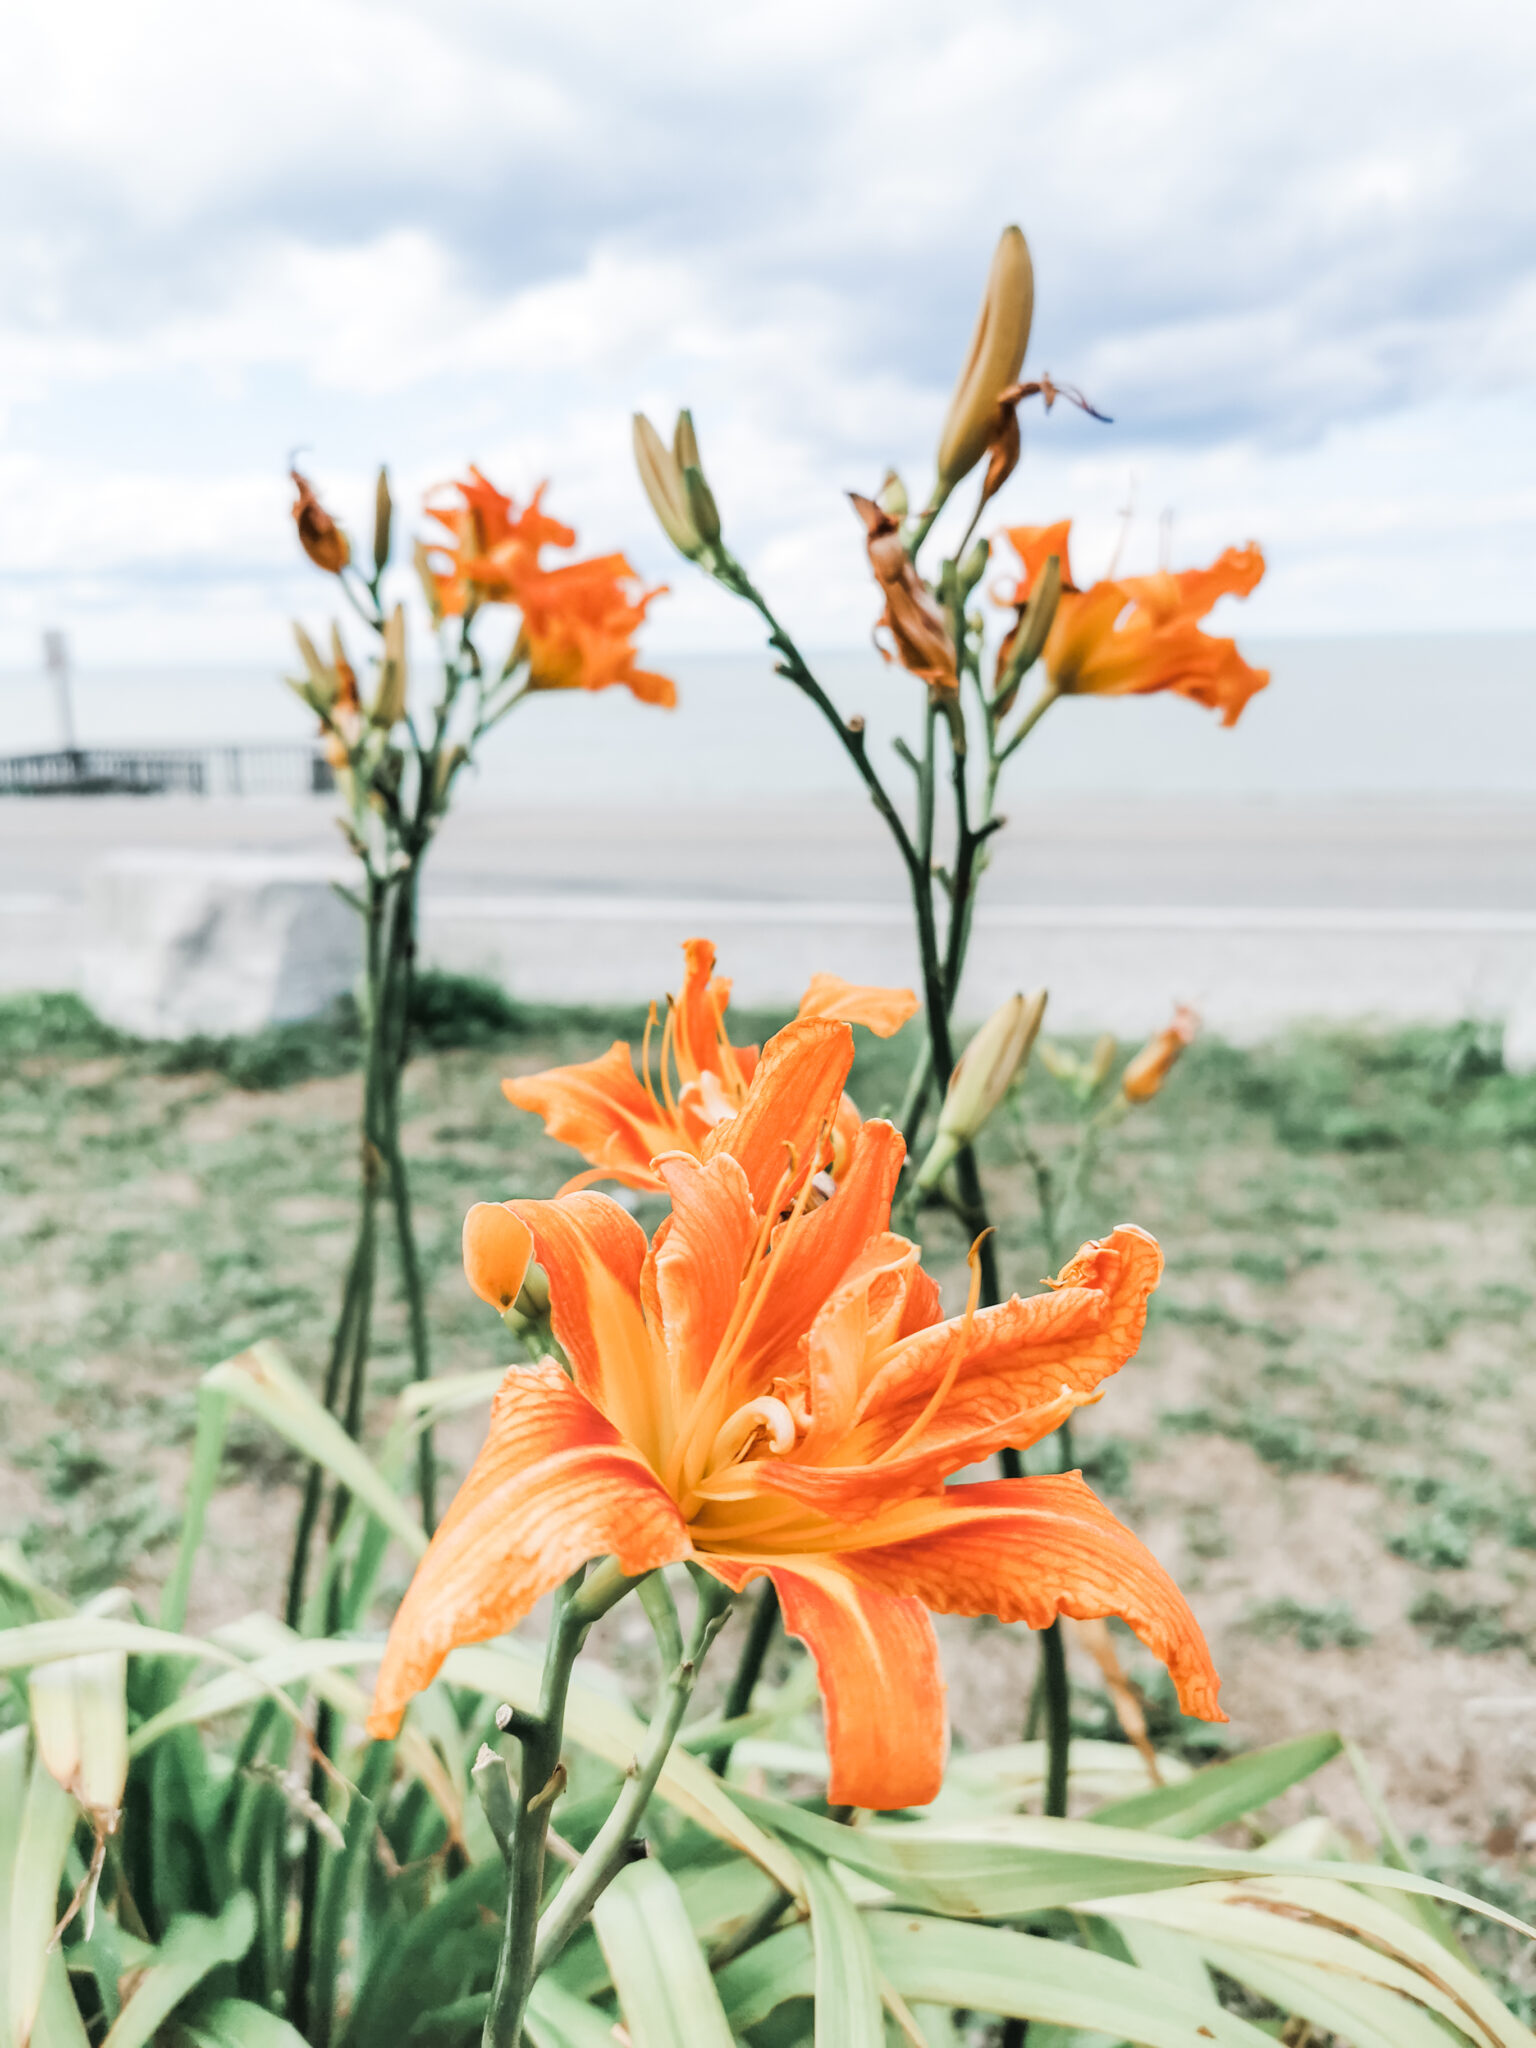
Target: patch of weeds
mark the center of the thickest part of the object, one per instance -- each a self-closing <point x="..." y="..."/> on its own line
<point x="1205" y="1534"/>
<point x="1214" y="1315"/>
<point x="1311" y="1628"/>
<point x="1287" y="1442"/>
<point x="1442" y="1540"/>
<point x="1470" y="1627"/>
<point x="66" y="1463"/>
<point x="1268" y="1268"/>
<point x="1107" y="1465"/>
<point x="56" y="1024"/>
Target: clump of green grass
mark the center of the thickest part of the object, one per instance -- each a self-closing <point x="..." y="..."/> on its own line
<point x="1333" y="1627"/>
<point x="1469" y="1626"/>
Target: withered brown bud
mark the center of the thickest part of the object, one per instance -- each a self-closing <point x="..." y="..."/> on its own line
<point x="319" y="535"/>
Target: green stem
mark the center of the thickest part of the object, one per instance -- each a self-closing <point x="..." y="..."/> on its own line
<point x="610" y="1846"/>
<point x="749" y="1669"/>
<point x="540" y="1736"/>
<point x="1058" y="1719"/>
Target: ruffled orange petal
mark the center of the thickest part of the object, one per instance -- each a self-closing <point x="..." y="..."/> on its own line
<point x="1030" y="1549"/>
<point x="825" y="1244"/>
<point x="593" y="1252"/>
<point x="881" y="1010"/>
<point x="698" y="1260"/>
<point x="497" y="1251"/>
<point x="1035" y="545"/>
<point x="794" y="1093"/>
<point x="882" y="1686"/>
<point x="600" y="1109"/>
<point x="698" y="1010"/>
<point x="553" y="1486"/>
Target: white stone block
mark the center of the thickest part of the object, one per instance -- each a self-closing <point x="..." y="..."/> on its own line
<point x="180" y="942"/>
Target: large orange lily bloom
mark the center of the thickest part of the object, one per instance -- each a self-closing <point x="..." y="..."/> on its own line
<point x="579" y="620"/>
<point x="767" y="1388"/>
<point x="620" y="1119"/>
<point x="1131" y="635"/>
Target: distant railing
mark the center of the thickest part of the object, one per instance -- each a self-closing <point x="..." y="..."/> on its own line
<point x="261" y="770"/>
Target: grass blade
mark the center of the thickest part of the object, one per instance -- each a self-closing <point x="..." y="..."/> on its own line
<point x="666" y="1993"/>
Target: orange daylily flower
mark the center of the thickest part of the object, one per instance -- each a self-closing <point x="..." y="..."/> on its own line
<point x="768" y="1388"/>
<point x="1131" y="635"/>
<point x="616" y="1118"/>
<point x="579" y="620"/>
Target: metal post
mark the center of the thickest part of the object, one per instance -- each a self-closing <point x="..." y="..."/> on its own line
<point x="56" y="661"/>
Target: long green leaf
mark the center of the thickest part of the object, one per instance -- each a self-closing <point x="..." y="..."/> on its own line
<point x="666" y="1993"/>
<point x="303" y="1657"/>
<point x="262" y="1381"/>
<point x="848" y="2009"/>
<point x="207" y="1457"/>
<point x="48" y="1817"/>
<point x="1331" y="1926"/>
<point x="237" y="2023"/>
<point x="1024" y="1976"/>
<point x="987" y="1969"/>
<point x="58" y="2023"/>
<point x="558" y="2019"/>
<point x="1222" y="1792"/>
<point x="190" y="1950"/>
<point x="1363" y="2014"/>
<point x="608" y="1729"/>
<point x="1001" y="1869"/>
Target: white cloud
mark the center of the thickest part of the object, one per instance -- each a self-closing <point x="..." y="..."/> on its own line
<point x="1289" y="249"/>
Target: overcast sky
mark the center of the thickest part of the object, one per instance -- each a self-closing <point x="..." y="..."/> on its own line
<point x="1291" y="248"/>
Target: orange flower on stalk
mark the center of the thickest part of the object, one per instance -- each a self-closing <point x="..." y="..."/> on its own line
<point x="768" y="1388"/>
<point x="579" y="620"/>
<point x="1132" y="635"/>
<point x="617" y="1118"/>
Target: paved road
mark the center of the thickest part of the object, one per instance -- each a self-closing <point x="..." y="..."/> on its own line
<point x="1371" y="853"/>
<point x="1259" y="912"/>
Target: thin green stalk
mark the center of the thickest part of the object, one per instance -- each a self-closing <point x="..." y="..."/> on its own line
<point x="1058" y="1719"/>
<point x="749" y="1668"/>
<point x="539" y="1782"/>
<point x="609" y="1848"/>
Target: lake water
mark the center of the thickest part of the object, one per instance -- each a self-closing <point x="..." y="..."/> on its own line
<point x="1432" y="713"/>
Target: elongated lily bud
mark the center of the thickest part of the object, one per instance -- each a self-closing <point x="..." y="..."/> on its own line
<point x="498" y="1248"/>
<point x="1146" y="1073"/>
<point x="449" y="762"/>
<point x="80" y="1723"/>
<point x="996" y="353"/>
<point x="389" y="700"/>
<point x="982" y="1076"/>
<point x="892" y="496"/>
<point x="974" y="567"/>
<point x="1100" y="1060"/>
<point x="662" y="476"/>
<point x="1025" y="644"/>
<point x="701" y="500"/>
<point x="383" y="515"/>
<point x="428" y="578"/>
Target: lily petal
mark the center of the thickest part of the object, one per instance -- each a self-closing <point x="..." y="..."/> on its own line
<point x="826" y="1243"/>
<point x="599" y="1109"/>
<point x="553" y="1486"/>
<point x="794" y="1093"/>
<point x="1030" y="1549"/>
<point x="593" y="1252"/>
<point x="882" y="1685"/>
<point x="699" y="1261"/>
<point x="881" y="1010"/>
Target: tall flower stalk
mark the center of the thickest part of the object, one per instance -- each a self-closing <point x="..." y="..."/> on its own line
<point x="1132" y="637"/>
<point x="397" y="764"/>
